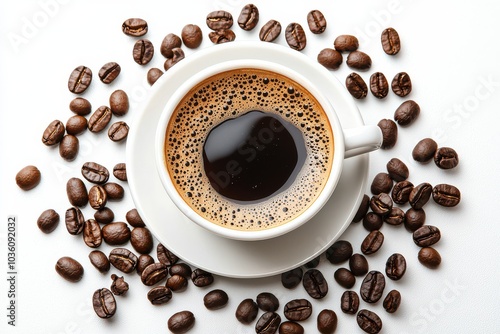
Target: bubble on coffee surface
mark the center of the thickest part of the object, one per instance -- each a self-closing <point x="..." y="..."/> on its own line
<point x="231" y="94"/>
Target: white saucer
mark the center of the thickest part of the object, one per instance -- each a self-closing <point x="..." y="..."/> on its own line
<point x="203" y="249"/>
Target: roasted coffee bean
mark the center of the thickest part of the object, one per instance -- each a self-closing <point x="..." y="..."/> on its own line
<point x="389" y="133"/>
<point x="381" y="204"/>
<point x="346" y="43"/>
<point x="424" y="150"/>
<point x="222" y="36"/>
<point x="80" y="106"/>
<point x="135" y="27"/>
<point x="316" y="21"/>
<point x="397" y="170"/>
<point x="268" y="323"/>
<point x="392" y="301"/>
<point x="154" y="273"/>
<point x="166" y="256"/>
<point x="74" y="221"/>
<point x="99" y="119"/>
<point x="191" y="36"/>
<point x="48" y="221"/>
<point x="429" y="257"/>
<point x="315" y="284"/>
<point x="330" y="58"/>
<point x="270" y="31"/>
<point x="69" y="269"/>
<point x="401" y="192"/>
<point x="359" y="60"/>
<point x="142" y="240"/>
<point x="169" y="42"/>
<point x="313" y="263"/>
<point x="75" y="125"/>
<point x="118" y="102"/>
<point x="54" y="133"/>
<point x="249" y="17"/>
<point x="109" y="72"/>
<point x="177" y="283"/>
<point x="97" y="197"/>
<point x="390" y="41"/>
<point x="344" y="278"/>
<point x="69" y="147"/>
<point x="358" y="264"/>
<point x="356" y="86"/>
<point x="395" y="217"/>
<point x="349" y="302"/>
<point x="120" y="171"/>
<point x="290" y="279"/>
<point x="28" y="177"/>
<point x="326" y="322"/>
<point x="159" y="295"/>
<point x="369" y="321"/>
<point x="372" y="287"/>
<point x="362" y="210"/>
<point x="247" y="311"/>
<point x="143" y="51"/>
<point x="99" y="260"/>
<point x="114" y="191"/>
<point x="95" y="173"/>
<point x="401" y="84"/>
<point x="426" y="236"/>
<point x="382" y="183"/>
<point x="133" y="218"/>
<point x="92" y="234"/>
<point x="104" y="303"/>
<point x="177" y="56"/>
<point x="379" y="85"/>
<point x="446" y="158"/>
<point x="407" y="112"/>
<point x="77" y="192"/>
<point x="395" y="267"/>
<point x="181" y="322"/>
<point x="295" y="36"/>
<point x="215" y="299"/>
<point x="298" y="310"/>
<point x="143" y="261"/>
<point x="118" y="131"/>
<point x="116" y="233"/>
<point x="339" y="252"/>
<point x="201" y="278"/>
<point x="446" y="195"/>
<point x="290" y="327"/>
<point x="182" y="269"/>
<point x="104" y="215"/>
<point x="420" y="195"/>
<point x="80" y="79"/>
<point x="372" y="221"/>
<point x="372" y="242"/>
<point x="219" y="19"/>
<point x="414" y="219"/>
<point x="153" y="75"/>
<point x="123" y="259"/>
<point x="119" y="287"/>
<point x="267" y="301"/>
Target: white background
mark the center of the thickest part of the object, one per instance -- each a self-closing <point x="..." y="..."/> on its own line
<point x="449" y="48"/>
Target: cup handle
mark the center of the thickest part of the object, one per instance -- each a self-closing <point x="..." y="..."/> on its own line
<point x="361" y="140"/>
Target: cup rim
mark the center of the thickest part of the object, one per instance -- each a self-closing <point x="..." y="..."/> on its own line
<point x="268" y="233"/>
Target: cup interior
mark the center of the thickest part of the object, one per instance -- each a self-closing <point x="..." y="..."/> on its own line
<point x="267" y="233"/>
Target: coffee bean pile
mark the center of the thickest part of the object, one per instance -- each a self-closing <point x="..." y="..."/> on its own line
<point x="166" y="273"/>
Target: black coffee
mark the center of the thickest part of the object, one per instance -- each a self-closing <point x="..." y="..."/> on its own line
<point x="265" y="153"/>
<point x="249" y="149"/>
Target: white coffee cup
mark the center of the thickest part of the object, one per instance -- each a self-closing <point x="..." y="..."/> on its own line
<point x="347" y="143"/>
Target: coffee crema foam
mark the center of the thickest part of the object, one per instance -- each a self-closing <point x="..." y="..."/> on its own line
<point x="227" y="95"/>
